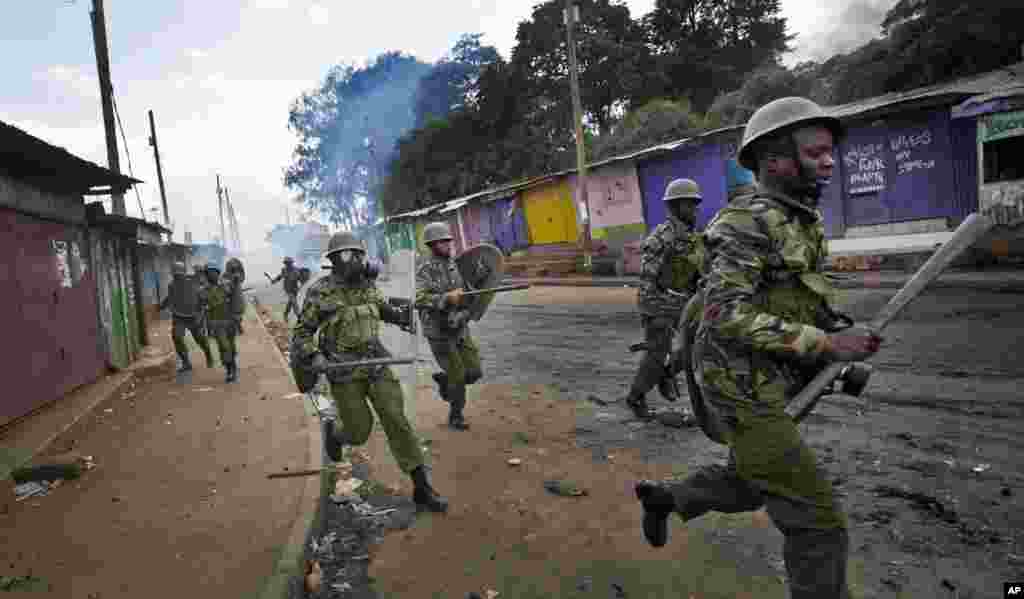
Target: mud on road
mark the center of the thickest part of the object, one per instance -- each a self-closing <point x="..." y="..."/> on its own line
<point x="928" y="460"/>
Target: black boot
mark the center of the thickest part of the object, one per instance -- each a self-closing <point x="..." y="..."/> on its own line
<point x="638" y="403"/>
<point x="333" y="442"/>
<point x="658" y="504"/>
<point x="234" y="371"/>
<point x="423" y="493"/>
<point x="186" y="364"/>
<point x="229" y="372"/>
<point x="441" y="379"/>
<point x="457" y="401"/>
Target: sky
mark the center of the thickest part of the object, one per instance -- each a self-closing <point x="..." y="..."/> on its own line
<point x="220" y="76"/>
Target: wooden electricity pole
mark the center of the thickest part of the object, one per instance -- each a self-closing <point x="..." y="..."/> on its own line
<point x="571" y="16"/>
<point x="99" y="38"/>
<point x="220" y="210"/>
<point x="159" y="171"/>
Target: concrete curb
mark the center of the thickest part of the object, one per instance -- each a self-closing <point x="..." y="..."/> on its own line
<point x="289" y="564"/>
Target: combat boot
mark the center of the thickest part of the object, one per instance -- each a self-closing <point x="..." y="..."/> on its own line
<point x="457" y="401"/>
<point x="234" y="371"/>
<point x="333" y="441"/>
<point x="441" y="378"/>
<point x="658" y="504"/>
<point x="638" y="403"/>
<point x="186" y="364"/>
<point x="668" y="388"/>
<point x="423" y="493"/>
<point x="229" y="372"/>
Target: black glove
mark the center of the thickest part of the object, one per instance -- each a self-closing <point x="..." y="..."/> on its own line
<point x="319" y="363"/>
<point x="371" y="270"/>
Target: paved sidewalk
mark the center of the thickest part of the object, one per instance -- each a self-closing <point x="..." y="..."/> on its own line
<point x="1008" y="280"/>
<point x="179" y="504"/>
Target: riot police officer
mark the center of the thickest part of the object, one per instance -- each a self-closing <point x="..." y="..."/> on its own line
<point x="185" y="300"/>
<point x="346" y="308"/>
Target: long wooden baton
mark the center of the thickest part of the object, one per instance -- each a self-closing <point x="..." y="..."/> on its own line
<point x="966" y="235"/>
<point x="496" y="289"/>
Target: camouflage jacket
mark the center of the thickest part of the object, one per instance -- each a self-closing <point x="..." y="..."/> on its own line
<point x="675" y="246"/>
<point x="221" y="301"/>
<point x="433" y="279"/>
<point x="348" y="319"/>
<point x="292" y="280"/>
<point x="763" y="291"/>
<point x="184" y="297"/>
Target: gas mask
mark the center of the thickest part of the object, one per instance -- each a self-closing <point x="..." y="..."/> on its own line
<point x="683" y="210"/>
<point x="353" y="266"/>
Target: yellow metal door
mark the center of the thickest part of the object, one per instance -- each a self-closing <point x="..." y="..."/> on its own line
<point x="550" y="214"/>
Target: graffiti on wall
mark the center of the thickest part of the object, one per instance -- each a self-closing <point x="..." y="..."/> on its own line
<point x="909" y="151"/>
<point x="865" y="164"/>
<point x="60" y="254"/>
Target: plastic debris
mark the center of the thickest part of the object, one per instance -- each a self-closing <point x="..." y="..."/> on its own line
<point x="982" y="468"/>
<point x="31" y="489"/>
<point x="564" y="488"/>
<point x="490" y="594"/>
<point x="514" y="461"/>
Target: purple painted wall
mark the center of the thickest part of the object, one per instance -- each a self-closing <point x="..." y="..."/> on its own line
<point x="898" y="171"/>
<point x="702" y="163"/>
<point x="509" y="230"/>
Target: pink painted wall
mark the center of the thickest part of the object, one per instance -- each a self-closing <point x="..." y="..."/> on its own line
<point x="614" y="195"/>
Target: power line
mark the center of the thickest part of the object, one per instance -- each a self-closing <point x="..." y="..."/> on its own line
<point x="128" y="157"/>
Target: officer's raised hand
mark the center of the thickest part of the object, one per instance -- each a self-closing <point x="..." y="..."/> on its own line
<point x="852" y="345"/>
<point x="453" y="297"/>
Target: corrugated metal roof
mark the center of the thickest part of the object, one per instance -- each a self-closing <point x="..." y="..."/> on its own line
<point x="1006" y="77"/>
<point x="34" y="161"/>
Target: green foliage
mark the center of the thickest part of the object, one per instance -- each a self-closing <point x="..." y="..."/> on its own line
<point x="657" y="121"/>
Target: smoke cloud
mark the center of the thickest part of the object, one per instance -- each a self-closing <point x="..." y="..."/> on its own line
<point x="851" y="25"/>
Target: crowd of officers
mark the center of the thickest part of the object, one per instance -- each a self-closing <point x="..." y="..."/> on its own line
<point x="761" y="338"/>
<point x="207" y="304"/>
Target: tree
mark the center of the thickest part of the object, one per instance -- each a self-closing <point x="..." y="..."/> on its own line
<point x="658" y="121"/>
<point x="452" y="83"/>
<point x="767" y="83"/>
<point x="706" y="47"/>
<point x="611" y="54"/>
<point x="347" y="129"/>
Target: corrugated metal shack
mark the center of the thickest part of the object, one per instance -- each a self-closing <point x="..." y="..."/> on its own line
<point x="49" y="308"/>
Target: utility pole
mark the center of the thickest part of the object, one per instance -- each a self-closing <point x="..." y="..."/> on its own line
<point x="159" y="171"/>
<point x="99" y="38"/>
<point x="220" y="210"/>
<point x="571" y="14"/>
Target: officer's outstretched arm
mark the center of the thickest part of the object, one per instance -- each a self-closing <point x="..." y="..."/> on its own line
<point x="737" y="272"/>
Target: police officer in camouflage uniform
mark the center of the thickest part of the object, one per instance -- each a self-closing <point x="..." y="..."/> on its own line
<point x="759" y="342"/>
<point x="234" y="270"/>
<point x="290" y="275"/>
<point x="439" y="288"/>
<point x="221" y="318"/>
<point x="185" y="300"/>
<point x="347" y="309"/>
<point x="670" y="268"/>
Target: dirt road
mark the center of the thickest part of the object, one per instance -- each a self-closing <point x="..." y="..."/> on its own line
<point x="928" y="460"/>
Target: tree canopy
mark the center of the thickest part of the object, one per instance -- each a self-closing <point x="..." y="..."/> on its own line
<point x="474" y="120"/>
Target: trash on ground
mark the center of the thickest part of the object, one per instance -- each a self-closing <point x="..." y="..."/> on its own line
<point x="564" y="488"/>
<point x="514" y="461"/>
<point x="31" y="489"/>
<point x="205" y="389"/>
<point x="982" y="468"/>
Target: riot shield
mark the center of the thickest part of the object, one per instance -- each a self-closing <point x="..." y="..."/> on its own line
<point x="481" y="267"/>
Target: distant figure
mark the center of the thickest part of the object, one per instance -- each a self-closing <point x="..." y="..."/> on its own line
<point x="292" y="282"/>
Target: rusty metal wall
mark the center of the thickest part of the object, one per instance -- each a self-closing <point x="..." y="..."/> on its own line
<point x="47" y="313"/>
<point x="118" y="313"/>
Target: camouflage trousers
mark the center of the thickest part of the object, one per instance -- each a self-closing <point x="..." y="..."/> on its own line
<point x="225" y="333"/>
<point x="658" y="331"/>
<point x="353" y="399"/>
<point x="771" y="466"/>
<point x="459" y="358"/>
<point x="181" y="325"/>
<point x="292" y="306"/>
